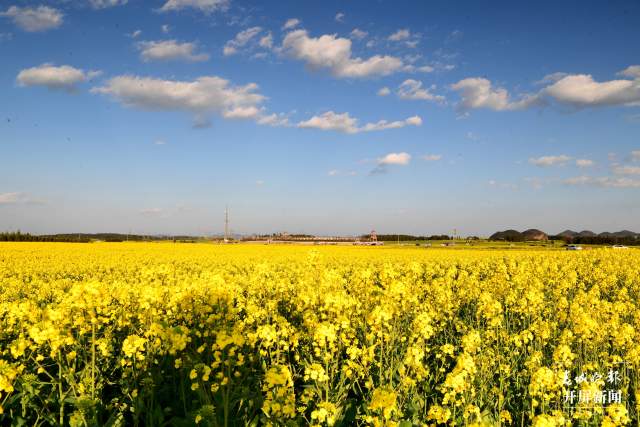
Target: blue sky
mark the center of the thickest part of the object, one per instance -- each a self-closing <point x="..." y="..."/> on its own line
<point x="319" y="117"/>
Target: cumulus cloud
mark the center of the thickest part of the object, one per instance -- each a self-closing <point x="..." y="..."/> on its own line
<point x="64" y="77"/>
<point x="266" y="41"/>
<point x="249" y="112"/>
<point x="34" y="19"/>
<point x="165" y="29"/>
<point x="206" y="6"/>
<point x="432" y="157"/>
<point x="574" y="90"/>
<point x="552" y="78"/>
<point x="400" y="35"/>
<point x="274" y="120"/>
<point x="632" y="71"/>
<point x="546" y="161"/>
<point x="201" y="97"/>
<point x="478" y="92"/>
<point x="395" y="159"/>
<point x="384" y="91"/>
<point x="603" y="181"/>
<point x="584" y="163"/>
<point x="170" y="50"/>
<point x="345" y="123"/>
<point x="240" y="40"/>
<point x="413" y="90"/>
<point x="358" y="34"/>
<point x="103" y="4"/>
<point x="291" y="23"/>
<point x="581" y="91"/>
<point x="339" y="17"/>
<point x="334" y="53"/>
<point x="391" y="159"/>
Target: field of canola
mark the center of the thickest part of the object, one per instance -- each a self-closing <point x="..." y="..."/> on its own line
<point x="176" y="334"/>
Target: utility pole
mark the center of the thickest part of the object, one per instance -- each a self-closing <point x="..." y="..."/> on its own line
<point x="226" y="224"/>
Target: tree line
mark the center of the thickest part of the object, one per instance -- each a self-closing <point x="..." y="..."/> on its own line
<point x="17" y="236"/>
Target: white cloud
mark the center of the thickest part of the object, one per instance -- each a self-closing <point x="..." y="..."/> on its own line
<point x="384" y="91"/>
<point x="266" y="41"/>
<point x="581" y="90"/>
<point x="334" y="53"/>
<point x="249" y="112"/>
<point x="358" y="34"/>
<point x="64" y="77"/>
<point x="395" y="159"/>
<point x="635" y="155"/>
<point x="413" y="90"/>
<point x="399" y="35"/>
<point x="206" y="6"/>
<point x="384" y="124"/>
<point x="170" y="50"/>
<point x="160" y="142"/>
<point x="241" y="39"/>
<point x="626" y="170"/>
<point x="259" y="182"/>
<point x="425" y="69"/>
<point x="332" y="121"/>
<point x="35" y="19"/>
<point x="201" y="97"/>
<point x="339" y="17"/>
<point x="291" y="23"/>
<point x="347" y="124"/>
<point x="575" y="90"/>
<point x="166" y="29"/>
<point x="603" y="181"/>
<point x="545" y="161"/>
<point x="432" y="157"/>
<point x="273" y="120"/>
<point x="584" y="163"/>
<point x="103" y="4"/>
<point x="477" y="92"/>
<point x="632" y="71"/>
<point x="552" y="78"/>
<point x="391" y="159"/>
<point x="135" y="34"/>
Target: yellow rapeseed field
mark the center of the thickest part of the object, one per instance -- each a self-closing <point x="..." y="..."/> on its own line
<point x="177" y="334"/>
